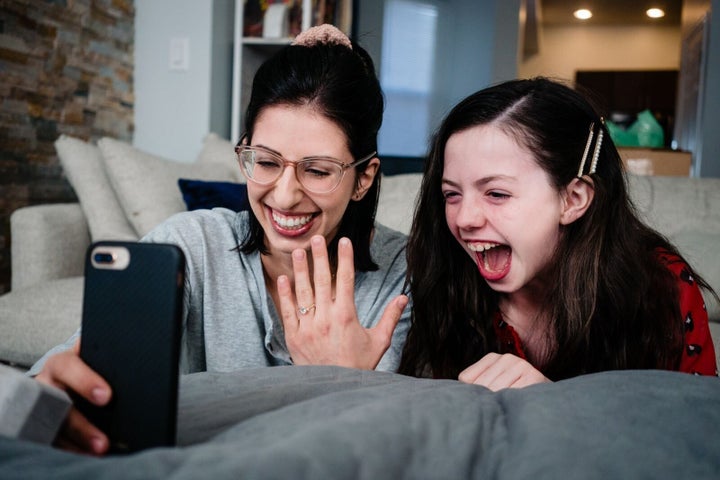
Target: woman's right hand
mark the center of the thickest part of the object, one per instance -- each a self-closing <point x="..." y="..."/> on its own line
<point x="68" y="372"/>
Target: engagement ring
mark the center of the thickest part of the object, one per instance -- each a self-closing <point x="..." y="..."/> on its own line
<point x="305" y="310"/>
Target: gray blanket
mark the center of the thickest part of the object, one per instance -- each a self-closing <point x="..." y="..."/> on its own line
<point x="327" y="422"/>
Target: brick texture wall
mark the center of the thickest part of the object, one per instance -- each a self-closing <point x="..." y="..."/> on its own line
<point x="65" y="67"/>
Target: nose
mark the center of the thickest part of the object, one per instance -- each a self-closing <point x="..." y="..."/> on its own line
<point x="470" y="215"/>
<point x="287" y="191"/>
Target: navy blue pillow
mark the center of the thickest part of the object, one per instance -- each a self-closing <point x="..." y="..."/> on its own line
<point x="199" y="194"/>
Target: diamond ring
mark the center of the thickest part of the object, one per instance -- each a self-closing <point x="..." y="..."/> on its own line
<point x="305" y="310"/>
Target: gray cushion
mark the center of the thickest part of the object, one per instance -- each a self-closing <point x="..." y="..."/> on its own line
<point x="147" y="185"/>
<point x="38" y="318"/>
<point x="85" y="170"/>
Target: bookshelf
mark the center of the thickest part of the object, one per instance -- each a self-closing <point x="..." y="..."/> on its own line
<point x="251" y="49"/>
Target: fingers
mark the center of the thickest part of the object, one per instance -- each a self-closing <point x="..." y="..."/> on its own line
<point x="303" y="287"/>
<point x="79" y="435"/>
<point x="288" y="312"/>
<point x="67" y="371"/>
<point x="345" y="277"/>
<point x="496" y="372"/>
<point x="390" y="318"/>
<point x="322" y="277"/>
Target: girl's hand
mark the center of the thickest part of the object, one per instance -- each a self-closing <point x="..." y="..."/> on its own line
<point x="324" y="329"/>
<point x="68" y="372"/>
<point x="496" y="372"/>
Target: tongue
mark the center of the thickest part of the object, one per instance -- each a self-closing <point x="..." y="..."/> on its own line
<point x="495" y="259"/>
<point x="494" y="263"/>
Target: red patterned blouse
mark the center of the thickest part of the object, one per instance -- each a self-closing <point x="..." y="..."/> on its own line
<point x="699" y="353"/>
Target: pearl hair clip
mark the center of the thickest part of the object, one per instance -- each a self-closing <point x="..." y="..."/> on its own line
<point x="596" y="151"/>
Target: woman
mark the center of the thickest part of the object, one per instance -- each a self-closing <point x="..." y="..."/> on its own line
<point x="541" y="270"/>
<point x="254" y="296"/>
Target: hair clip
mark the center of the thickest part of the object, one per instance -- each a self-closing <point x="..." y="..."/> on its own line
<point x="591" y="134"/>
<point x="596" y="153"/>
<point x="325" y="34"/>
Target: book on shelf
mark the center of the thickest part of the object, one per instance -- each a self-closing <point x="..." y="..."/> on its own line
<point x="300" y="15"/>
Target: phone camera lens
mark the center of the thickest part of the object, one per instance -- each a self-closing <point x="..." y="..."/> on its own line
<point x="104" y="257"/>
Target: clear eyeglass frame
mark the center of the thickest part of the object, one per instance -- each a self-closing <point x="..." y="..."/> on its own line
<point x="246" y="156"/>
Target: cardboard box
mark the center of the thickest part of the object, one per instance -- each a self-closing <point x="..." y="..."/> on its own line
<point x="651" y="161"/>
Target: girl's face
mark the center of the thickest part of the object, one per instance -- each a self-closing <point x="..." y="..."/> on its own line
<point x="289" y="214"/>
<point x="501" y="208"/>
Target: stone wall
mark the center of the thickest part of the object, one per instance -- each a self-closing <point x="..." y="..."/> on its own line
<point x="66" y="66"/>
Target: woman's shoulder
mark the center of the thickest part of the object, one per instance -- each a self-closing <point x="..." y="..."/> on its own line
<point x="387" y="244"/>
<point x="218" y="222"/>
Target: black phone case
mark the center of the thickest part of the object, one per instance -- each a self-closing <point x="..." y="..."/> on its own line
<point x="131" y="327"/>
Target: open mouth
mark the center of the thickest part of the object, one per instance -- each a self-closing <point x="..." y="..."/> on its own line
<point x="291" y="224"/>
<point x="493" y="259"/>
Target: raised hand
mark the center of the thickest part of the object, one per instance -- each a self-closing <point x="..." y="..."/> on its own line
<point x="496" y="372"/>
<point x="68" y="372"/>
<point x="320" y="319"/>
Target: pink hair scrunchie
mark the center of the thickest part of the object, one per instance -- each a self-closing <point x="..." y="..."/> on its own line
<point x="325" y="34"/>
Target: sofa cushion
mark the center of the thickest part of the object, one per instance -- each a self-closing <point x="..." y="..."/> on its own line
<point x="199" y="194"/>
<point x="38" y="318"/>
<point x="700" y="250"/>
<point x="396" y="204"/>
<point x="216" y="149"/>
<point x="85" y="170"/>
<point x="146" y="184"/>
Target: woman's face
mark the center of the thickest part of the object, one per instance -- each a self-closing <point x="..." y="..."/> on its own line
<point x="501" y="208"/>
<point x="289" y="214"/>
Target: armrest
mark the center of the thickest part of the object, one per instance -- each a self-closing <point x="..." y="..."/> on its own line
<point x="47" y="242"/>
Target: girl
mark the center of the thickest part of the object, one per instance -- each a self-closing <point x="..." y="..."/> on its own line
<point x="542" y="270"/>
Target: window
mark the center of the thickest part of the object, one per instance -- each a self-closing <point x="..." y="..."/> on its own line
<point x="406" y="76"/>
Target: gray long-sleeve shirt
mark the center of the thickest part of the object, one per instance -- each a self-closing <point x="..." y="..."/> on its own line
<point x="229" y="318"/>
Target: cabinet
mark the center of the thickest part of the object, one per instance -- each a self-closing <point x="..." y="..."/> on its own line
<point x="621" y="95"/>
<point x="249" y="52"/>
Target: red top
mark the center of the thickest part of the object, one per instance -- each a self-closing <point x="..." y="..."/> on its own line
<point x="699" y="353"/>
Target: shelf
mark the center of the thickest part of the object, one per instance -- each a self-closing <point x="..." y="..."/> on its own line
<point x="266" y="41"/>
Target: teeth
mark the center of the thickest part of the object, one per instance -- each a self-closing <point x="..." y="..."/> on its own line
<point x="291" y="222"/>
<point x="481" y="247"/>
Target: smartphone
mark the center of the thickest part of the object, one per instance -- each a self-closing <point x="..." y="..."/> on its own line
<point x="131" y="328"/>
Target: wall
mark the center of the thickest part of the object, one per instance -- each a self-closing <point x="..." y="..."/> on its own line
<point x="64" y="68"/>
<point x="563" y="50"/>
<point x="710" y="165"/>
<point x="478" y="41"/>
<point x="175" y="109"/>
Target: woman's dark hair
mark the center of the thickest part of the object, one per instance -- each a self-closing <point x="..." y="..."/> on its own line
<point x="341" y="84"/>
<point x="612" y="304"/>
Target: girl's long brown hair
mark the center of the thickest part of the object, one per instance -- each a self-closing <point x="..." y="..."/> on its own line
<point x="613" y="304"/>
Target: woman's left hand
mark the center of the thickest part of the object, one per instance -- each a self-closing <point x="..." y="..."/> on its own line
<point x="496" y="371"/>
<point x="322" y="329"/>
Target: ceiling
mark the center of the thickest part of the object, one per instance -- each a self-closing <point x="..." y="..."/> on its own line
<point x="610" y="12"/>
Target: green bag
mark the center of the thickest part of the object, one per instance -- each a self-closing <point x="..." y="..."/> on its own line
<point x="644" y="132"/>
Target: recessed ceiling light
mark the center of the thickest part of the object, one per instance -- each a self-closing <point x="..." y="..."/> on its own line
<point x="655" y="13"/>
<point x="582" y="14"/>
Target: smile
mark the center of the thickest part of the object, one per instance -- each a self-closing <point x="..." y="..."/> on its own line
<point x="291" y="222"/>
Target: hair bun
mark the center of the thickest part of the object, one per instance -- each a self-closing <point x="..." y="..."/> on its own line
<point x="325" y="34"/>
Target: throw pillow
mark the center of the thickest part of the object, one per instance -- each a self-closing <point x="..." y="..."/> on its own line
<point x="200" y="194"/>
<point x="216" y="150"/>
<point x="85" y="170"/>
<point x="146" y="184"/>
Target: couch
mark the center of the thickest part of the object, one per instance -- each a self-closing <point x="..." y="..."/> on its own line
<point x="123" y="192"/>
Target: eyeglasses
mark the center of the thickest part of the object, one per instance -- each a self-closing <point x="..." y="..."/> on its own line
<point x="316" y="174"/>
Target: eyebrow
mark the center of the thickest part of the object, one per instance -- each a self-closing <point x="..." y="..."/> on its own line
<point x="311" y="157"/>
<point x="482" y="181"/>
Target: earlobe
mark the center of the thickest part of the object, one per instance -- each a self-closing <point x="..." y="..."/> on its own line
<point x="577" y="198"/>
<point x="366" y="178"/>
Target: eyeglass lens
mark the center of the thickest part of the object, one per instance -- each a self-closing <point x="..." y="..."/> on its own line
<point x="315" y="174"/>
